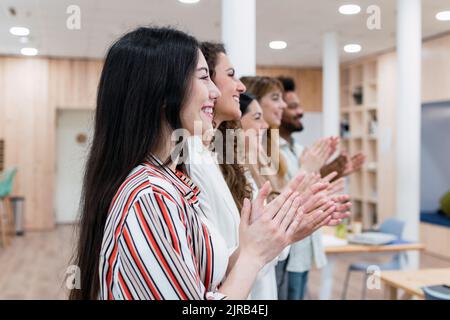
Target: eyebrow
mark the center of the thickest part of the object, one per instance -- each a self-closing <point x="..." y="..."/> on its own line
<point x="203" y="69"/>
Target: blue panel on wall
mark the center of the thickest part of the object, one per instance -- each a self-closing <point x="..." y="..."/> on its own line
<point x="435" y="154"/>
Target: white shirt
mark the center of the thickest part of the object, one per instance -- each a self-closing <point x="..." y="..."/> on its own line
<point x="265" y="286"/>
<point x="216" y="199"/>
<point x="309" y="250"/>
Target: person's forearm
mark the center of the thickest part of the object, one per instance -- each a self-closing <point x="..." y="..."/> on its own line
<point x="329" y="168"/>
<point x="232" y="259"/>
<point x="242" y="276"/>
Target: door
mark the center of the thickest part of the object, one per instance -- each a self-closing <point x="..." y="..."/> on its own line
<point x="73" y="137"/>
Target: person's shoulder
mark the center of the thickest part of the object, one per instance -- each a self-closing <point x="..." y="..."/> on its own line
<point x="147" y="180"/>
<point x="198" y="155"/>
<point x="201" y="163"/>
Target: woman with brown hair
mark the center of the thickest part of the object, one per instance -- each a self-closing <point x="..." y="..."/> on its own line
<point x="225" y="192"/>
<point x="269" y="94"/>
<point x="250" y="145"/>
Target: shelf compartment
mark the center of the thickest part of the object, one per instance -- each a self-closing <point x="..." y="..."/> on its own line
<point x="370" y="214"/>
<point x="370" y="72"/>
<point x="372" y="151"/>
<point x="356" y="185"/>
<point x="345" y="77"/>
<point x="356" y="75"/>
<point x="356" y="210"/>
<point x="356" y="145"/>
<point x="370" y="94"/>
<point x="356" y="124"/>
<point x="371" y="186"/>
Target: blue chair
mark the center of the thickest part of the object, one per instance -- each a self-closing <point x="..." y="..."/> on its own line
<point x="391" y="226"/>
<point x="440" y="292"/>
<point x="6" y="183"/>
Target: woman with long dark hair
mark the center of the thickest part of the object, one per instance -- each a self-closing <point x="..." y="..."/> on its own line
<point x="142" y="235"/>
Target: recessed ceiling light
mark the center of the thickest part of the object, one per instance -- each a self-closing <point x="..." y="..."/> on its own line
<point x="352" y="48"/>
<point x="19" y="31"/>
<point x="443" y="16"/>
<point x="349" y="9"/>
<point x="29" y="51"/>
<point x="189" y="1"/>
<point x="277" y="45"/>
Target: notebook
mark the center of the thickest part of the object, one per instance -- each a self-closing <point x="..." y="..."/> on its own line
<point x="372" y="238"/>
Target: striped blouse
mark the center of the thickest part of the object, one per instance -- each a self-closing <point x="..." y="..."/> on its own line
<point x="155" y="243"/>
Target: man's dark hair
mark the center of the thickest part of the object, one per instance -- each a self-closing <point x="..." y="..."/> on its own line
<point x="288" y="83"/>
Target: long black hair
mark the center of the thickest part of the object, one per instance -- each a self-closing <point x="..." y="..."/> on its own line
<point x="245" y="99"/>
<point x="144" y="83"/>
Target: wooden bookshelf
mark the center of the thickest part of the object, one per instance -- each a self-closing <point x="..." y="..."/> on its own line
<point x="359" y="118"/>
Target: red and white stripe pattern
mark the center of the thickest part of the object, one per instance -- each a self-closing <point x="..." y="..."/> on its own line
<point x="155" y="245"/>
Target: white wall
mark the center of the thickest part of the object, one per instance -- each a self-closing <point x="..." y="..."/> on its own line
<point x="435" y="154"/>
<point x="70" y="161"/>
<point x="312" y="123"/>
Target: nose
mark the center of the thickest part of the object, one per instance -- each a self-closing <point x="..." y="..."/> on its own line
<point x="214" y="92"/>
<point x="264" y="124"/>
<point x="300" y="111"/>
<point x="283" y="105"/>
<point x="240" y="86"/>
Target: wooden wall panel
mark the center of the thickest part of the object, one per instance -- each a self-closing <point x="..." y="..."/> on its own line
<point x="73" y="83"/>
<point x="308" y="82"/>
<point x="27" y="129"/>
<point x="31" y="90"/>
<point x="436" y="70"/>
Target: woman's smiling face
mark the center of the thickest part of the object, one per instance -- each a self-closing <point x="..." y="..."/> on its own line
<point x="227" y="105"/>
<point x="273" y="105"/>
<point x="254" y="126"/>
<point x="199" y="108"/>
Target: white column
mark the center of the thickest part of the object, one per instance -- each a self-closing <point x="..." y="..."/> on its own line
<point x="239" y="34"/>
<point x="408" y="114"/>
<point x="330" y="84"/>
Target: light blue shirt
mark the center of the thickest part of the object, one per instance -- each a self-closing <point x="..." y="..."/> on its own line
<point x="308" y="251"/>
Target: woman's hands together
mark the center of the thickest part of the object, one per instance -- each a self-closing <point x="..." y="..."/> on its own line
<point x="314" y="158"/>
<point x="265" y="229"/>
<point x="304" y="206"/>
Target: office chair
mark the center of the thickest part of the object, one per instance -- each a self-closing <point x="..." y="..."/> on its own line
<point x="441" y="292"/>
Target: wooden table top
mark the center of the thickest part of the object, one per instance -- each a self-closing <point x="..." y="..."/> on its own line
<point x="412" y="281"/>
<point x="357" y="248"/>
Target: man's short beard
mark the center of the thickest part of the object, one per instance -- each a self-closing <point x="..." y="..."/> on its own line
<point x="291" y="128"/>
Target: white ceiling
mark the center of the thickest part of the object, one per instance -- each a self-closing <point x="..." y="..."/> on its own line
<point x="300" y="23"/>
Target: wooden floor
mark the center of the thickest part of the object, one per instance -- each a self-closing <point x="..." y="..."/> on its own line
<point x="34" y="267"/>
